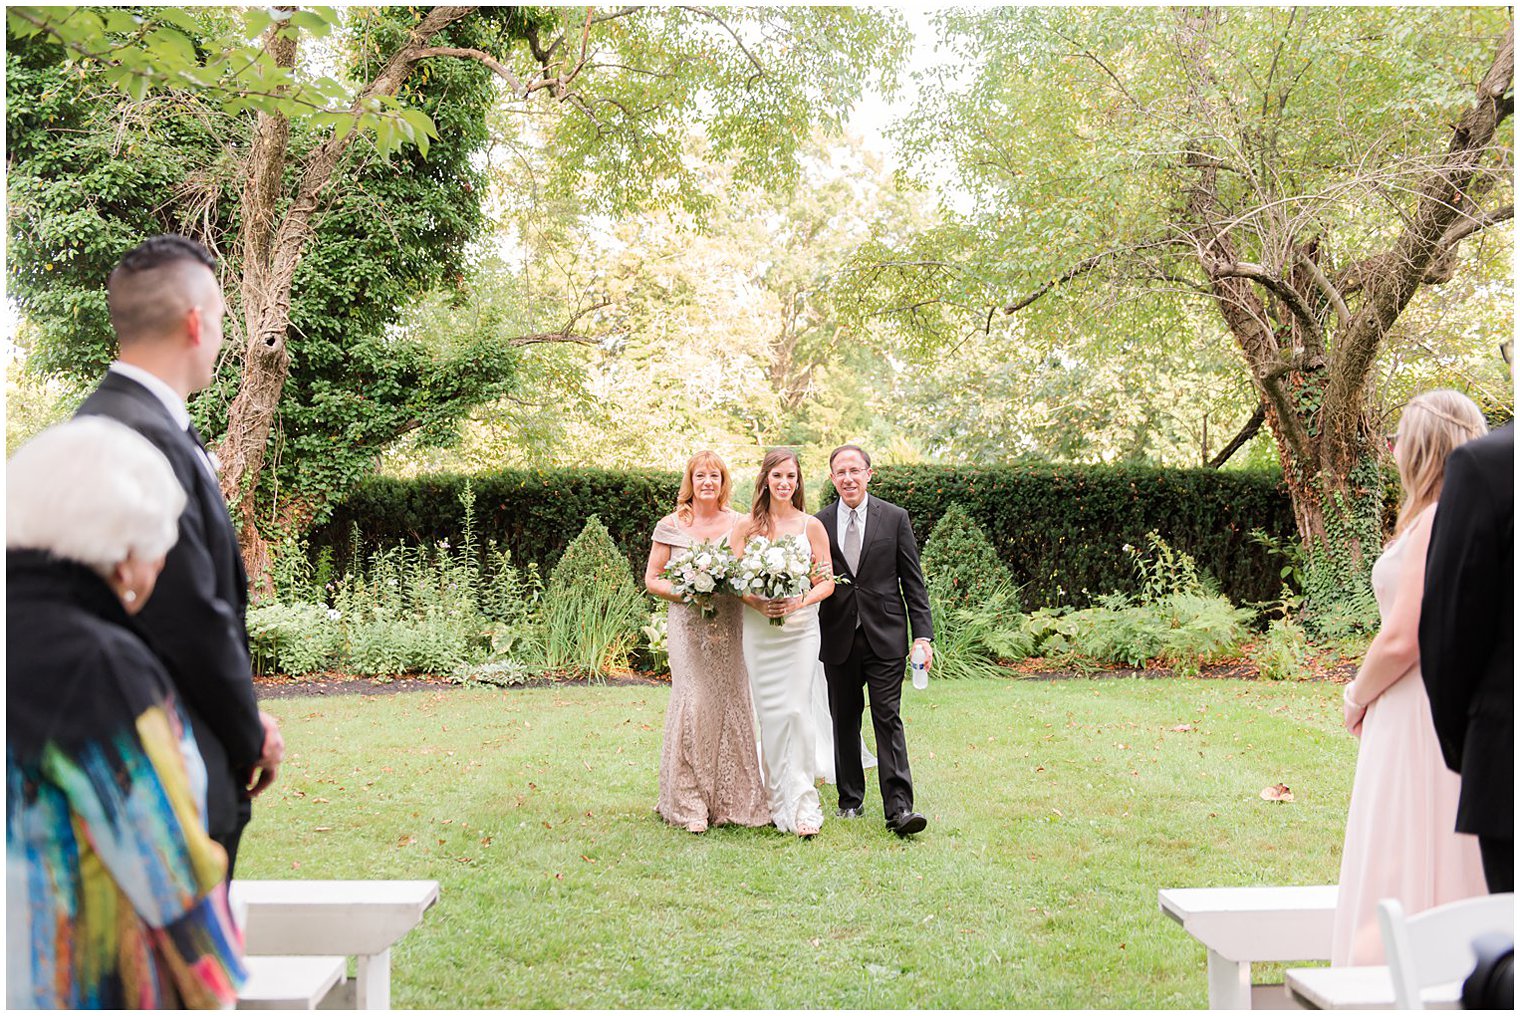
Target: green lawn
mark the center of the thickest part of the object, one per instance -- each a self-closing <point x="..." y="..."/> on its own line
<point x="1057" y="810"/>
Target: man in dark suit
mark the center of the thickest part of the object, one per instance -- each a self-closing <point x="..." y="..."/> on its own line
<point x="865" y="636"/>
<point x="166" y="309"/>
<point x="1467" y="642"/>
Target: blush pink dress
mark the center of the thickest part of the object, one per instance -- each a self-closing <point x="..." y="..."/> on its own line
<point x="709" y="771"/>
<point x="1400" y="838"/>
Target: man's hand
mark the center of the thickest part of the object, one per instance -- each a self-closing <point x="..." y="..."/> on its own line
<point x="268" y="765"/>
<point x="928" y="652"/>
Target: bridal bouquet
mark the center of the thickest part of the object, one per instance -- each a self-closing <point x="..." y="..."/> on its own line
<point x="774" y="569"/>
<point x="699" y="571"/>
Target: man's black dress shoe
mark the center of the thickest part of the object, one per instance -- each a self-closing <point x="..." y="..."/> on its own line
<point x="907" y="823"/>
<point x="847" y="812"/>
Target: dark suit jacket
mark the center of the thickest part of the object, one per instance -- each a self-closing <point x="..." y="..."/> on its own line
<point x="889" y="578"/>
<point x="194" y="621"/>
<point x="1467" y="635"/>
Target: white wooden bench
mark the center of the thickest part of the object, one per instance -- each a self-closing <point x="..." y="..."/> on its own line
<point x="290" y="982"/>
<point x="1358" y="988"/>
<point x="320" y="918"/>
<point x="1252" y="924"/>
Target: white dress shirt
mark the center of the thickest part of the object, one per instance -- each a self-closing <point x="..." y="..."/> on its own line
<point x="175" y="405"/>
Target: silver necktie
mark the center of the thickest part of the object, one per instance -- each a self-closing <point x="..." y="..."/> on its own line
<point x="852" y="543"/>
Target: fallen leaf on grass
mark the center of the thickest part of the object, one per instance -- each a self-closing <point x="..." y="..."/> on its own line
<point x="1183" y="728"/>
<point x="1277" y="792"/>
<point x="406" y="841"/>
<point x="323" y="829"/>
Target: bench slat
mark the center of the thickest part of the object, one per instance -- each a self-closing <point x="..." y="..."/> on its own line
<point x="290" y="982"/>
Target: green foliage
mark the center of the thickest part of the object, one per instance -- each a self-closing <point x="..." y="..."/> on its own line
<point x="1338" y="601"/>
<point x="970" y="640"/>
<point x="392" y="229"/>
<point x="1176" y="621"/>
<point x="592" y="610"/>
<point x="657" y="637"/>
<point x="493" y="673"/>
<point x="294" y="638"/>
<point x="961" y="569"/>
<point x="1058" y="529"/>
<point x="156" y="50"/>
<point x="1283" y="653"/>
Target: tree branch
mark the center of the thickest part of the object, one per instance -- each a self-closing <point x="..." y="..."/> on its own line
<point x="759" y="68"/>
<point x="1280" y="289"/>
<point x="1342" y="315"/>
<point x="1239" y="440"/>
<point x="1472" y="224"/>
<point x="500" y="69"/>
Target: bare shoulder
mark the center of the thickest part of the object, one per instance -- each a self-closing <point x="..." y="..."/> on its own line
<point x="815" y="527"/>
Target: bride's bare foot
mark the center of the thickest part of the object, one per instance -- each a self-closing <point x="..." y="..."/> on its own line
<point x="807" y="832"/>
<point x="696" y="827"/>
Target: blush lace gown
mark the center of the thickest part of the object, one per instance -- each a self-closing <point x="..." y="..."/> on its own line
<point x="1400" y="838"/>
<point x="709" y="774"/>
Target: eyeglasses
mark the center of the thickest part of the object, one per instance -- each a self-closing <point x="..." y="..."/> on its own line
<point x="1389" y="439"/>
<point x="1505" y="349"/>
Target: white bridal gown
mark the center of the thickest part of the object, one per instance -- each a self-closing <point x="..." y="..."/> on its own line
<point x="781" y="661"/>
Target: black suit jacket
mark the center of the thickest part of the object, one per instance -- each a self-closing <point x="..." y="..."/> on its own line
<point x="888" y="593"/>
<point x="1467" y="635"/>
<point x="194" y="621"/>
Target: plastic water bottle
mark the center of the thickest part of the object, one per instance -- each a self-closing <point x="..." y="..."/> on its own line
<point x="920" y="672"/>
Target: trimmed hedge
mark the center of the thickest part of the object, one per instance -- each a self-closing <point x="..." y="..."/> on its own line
<point x="1060" y="529"/>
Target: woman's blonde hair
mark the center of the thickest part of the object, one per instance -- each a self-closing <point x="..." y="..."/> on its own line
<point x="760" y="511"/>
<point x="1433" y="424"/>
<point x="684" y="510"/>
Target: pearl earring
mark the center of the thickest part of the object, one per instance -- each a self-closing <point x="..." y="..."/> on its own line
<point x="130" y="596"/>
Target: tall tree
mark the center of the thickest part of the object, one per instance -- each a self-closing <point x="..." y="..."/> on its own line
<point x="1307" y="172"/>
<point x="613" y="87"/>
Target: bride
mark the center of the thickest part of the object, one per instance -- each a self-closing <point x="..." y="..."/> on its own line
<point x="781" y="660"/>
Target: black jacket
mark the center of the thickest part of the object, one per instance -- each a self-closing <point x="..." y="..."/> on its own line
<point x="194" y="621"/>
<point x="1467" y="634"/>
<point x="888" y="593"/>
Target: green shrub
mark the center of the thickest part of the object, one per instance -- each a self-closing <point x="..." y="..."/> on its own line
<point x="592" y="610"/>
<point x="493" y="673"/>
<point x="1282" y="654"/>
<point x="1179" y="622"/>
<point x="969" y="641"/>
<point x="1056" y="528"/>
<point x="293" y="638"/>
<point x="961" y="568"/>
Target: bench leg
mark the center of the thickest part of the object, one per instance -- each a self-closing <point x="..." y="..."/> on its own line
<point x="1229" y="983"/>
<point x="373" y="977"/>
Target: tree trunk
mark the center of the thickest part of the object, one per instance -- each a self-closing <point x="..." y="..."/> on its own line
<point x="272" y="248"/>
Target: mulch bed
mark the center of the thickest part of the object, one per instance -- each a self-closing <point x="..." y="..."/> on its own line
<point x="275" y="686"/>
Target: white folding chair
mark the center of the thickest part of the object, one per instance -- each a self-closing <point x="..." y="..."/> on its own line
<point x="1435" y="946"/>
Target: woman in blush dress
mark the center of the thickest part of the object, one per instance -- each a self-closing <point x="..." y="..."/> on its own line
<point x="709" y="773"/>
<point x="781" y="659"/>
<point x="1400" y="838"/>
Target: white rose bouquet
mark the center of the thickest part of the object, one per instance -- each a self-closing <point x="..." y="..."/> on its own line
<point x="775" y="569"/>
<point x="699" y="572"/>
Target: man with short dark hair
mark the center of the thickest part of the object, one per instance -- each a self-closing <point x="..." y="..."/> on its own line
<point x="864" y="628"/>
<point x="166" y="308"/>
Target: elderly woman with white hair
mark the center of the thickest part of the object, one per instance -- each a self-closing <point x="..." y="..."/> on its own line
<point x="115" y="895"/>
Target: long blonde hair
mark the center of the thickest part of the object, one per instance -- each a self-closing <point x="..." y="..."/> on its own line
<point x="684" y="500"/>
<point x="1433" y="424"/>
<point x="760" y="513"/>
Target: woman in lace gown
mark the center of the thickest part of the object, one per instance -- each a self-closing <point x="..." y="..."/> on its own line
<point x="709" y="772"/>
<point x="1400" y="838"/>
<point x="781" y="660"/>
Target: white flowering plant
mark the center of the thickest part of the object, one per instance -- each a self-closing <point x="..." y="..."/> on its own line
<point x="777" y="569"/>
<point x="699" y="572"/>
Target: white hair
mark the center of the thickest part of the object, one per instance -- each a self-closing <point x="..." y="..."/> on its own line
<point x="93" y="491"/>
